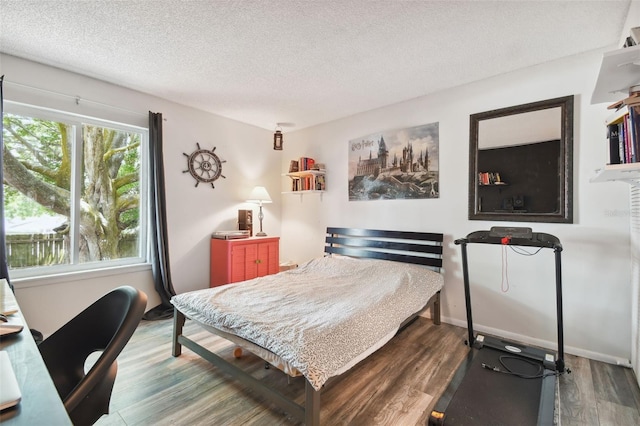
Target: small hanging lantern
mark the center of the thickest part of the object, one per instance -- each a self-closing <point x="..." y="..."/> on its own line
<point x="277" y="139"/>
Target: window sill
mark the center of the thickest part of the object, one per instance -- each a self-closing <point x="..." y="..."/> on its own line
<point x="67" y="277"/>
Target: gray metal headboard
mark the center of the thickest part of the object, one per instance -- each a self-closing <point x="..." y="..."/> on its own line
<point x="422" y="248"/>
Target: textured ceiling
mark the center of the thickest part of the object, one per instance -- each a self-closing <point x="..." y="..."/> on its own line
<point x="302" y="62"/>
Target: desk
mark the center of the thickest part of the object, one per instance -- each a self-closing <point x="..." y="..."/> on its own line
<point x="40" y="404"/>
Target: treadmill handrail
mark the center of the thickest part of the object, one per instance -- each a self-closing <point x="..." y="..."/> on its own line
<point x="538" y="239"/>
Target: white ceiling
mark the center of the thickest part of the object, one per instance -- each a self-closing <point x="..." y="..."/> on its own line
<point x="305" y="62"/>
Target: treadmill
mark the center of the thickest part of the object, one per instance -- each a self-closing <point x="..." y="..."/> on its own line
<point x="502" y="382"/>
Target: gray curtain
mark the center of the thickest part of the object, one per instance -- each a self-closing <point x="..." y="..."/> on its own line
<point x="158" y="222"/>
<point x="4" y="271"/>
<point x="4" y="268"/>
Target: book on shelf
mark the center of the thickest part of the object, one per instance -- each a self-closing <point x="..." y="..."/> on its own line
<point x="634" y="128"/>
<point x="615" y="153"/>
<point x="300" y="183"/>
<point x="306" y="163"/>
<point x="490" y="178"/>
<point x="308" y="183"/>
<point x="231" y="235"/>
<point x="623" y="134"/>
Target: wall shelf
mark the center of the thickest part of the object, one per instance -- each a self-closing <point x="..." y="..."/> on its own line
<point x="302" y="193"/>
<point x="309" y="191"/>
<point x="629" y="173"/>
<point x="486" y="185"/>
<point x="619" y="71"/>
<point x="306" y="173"/>
<point x="306" y="181"/>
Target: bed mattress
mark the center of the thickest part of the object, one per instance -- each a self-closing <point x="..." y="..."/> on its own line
<point x="318" y="319"/>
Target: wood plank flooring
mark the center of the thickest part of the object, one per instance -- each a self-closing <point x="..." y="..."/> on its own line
<point x="397" y="385"/>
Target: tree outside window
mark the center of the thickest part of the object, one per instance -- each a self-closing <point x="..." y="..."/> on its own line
<point x="72" y="192"/>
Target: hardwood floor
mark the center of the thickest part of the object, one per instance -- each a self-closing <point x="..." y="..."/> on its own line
<point x="397" y="385"/>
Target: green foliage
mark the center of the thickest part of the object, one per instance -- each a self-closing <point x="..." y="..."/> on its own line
<point x="34" y="142"/>
<point x="43" y="153"/>
<point x="18" y="206"/>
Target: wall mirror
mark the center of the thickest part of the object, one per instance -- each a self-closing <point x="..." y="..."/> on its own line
<point x="521" y="163"/>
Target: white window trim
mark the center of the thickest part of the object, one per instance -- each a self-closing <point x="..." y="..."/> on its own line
<point x="71" y="276"/>
<point x="36" y="276"/>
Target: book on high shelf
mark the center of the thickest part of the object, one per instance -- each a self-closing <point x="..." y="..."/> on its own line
<point x="614" y="143"/>
<point x="634" y="128"/>
<point x="623" y="142"/>
<point x="306" y="163"/>
<point x="629" y="140"/>
<point x="483" y="178"/>
<point x="616" y="125"/>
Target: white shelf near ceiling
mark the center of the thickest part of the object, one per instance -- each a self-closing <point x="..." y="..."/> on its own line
<point x="619" y="71"/>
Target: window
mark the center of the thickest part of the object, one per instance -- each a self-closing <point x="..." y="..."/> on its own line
<point x="75" y="194"/>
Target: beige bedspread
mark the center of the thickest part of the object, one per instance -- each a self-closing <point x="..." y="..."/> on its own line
<point x="320" y="316"/>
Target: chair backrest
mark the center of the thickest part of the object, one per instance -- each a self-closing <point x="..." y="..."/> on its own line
<point x="106" y="325"/>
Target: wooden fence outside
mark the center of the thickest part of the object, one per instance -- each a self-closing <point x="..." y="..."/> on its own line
<point x="29" y="250"/>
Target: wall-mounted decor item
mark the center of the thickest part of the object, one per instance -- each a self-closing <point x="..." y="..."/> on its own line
<point x="395" y="164"/>
<point x="277" y="139"/>
<point x="204" y="165"/>
<point x="521" y="163"/>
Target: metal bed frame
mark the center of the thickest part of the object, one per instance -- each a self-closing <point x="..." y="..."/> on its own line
<point x="401" y="246"/>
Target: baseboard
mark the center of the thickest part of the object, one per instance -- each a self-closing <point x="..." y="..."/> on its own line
<point x="596" y="356"/>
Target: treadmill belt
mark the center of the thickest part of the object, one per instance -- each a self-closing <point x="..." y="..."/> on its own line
<point x="487" y="397"/>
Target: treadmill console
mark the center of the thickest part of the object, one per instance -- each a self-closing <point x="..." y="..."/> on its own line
<point x="512" y="232"/>
<point x="515" y="236"/>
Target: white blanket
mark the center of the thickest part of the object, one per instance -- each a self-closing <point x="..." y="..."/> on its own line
<point x="320" y="316"/>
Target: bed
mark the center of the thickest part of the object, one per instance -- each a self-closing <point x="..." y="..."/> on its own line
<point x="324" y="317"/>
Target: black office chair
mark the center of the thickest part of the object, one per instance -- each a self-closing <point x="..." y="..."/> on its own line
<point x="107" y="326"/>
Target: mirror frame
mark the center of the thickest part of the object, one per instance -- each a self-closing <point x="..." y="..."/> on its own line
<point x="565" y="178"/>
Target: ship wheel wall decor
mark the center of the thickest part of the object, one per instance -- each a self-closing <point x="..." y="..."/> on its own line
<point x="204" y="165"/>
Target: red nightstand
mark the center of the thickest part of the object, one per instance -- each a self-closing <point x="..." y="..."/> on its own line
<point x="243" y="259"/>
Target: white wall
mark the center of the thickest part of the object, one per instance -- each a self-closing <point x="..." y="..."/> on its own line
<point x="595" y="260"/>
<point x="193" y="213"/>
<point x="596" y="264"/>
<point x="633" y="20"/>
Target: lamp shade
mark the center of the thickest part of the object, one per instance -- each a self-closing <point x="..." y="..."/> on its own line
<point x="259" y="195"/>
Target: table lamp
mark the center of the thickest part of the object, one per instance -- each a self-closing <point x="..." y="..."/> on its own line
<point x="259" y="195"/>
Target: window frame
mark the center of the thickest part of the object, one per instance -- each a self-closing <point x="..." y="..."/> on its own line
<point x="78" y="120"/>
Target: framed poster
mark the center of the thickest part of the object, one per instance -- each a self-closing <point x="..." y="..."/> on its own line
<point x="395" y="164"/>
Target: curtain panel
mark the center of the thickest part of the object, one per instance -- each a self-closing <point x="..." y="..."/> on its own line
<point x="158" y="223"/>
<point x="4" y="271"/>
